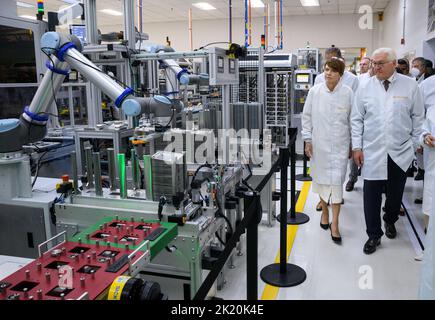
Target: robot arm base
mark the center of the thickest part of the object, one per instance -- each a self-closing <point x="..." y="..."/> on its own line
<point x="15" y="133"/>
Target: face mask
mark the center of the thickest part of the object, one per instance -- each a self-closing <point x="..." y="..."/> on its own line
<point x="415" y="72"/>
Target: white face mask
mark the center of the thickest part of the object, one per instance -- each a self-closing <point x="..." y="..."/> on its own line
<point x="415" y="72"/>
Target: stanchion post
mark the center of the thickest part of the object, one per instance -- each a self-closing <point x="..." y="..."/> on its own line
<point x="252" y="247"/>
<point x="304" y="176"/>
<point x="283" y="208"/>
<point x="293" y="182"/>
<point x="283" y="274"/>
<point x="299" y="218"/>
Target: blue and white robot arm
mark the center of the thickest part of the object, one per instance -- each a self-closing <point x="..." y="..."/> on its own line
<point x="65" y="51"/>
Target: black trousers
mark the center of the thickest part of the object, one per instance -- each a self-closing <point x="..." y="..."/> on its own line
<point x="373" y="189"/>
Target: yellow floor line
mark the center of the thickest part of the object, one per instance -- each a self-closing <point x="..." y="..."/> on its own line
<point x="271" y="292"/>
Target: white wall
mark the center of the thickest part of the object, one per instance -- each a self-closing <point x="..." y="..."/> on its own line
<point x="320" y="30"/>
<point x="416" y="33"/>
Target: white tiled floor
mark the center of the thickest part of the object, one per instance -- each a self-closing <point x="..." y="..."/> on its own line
<point x="337" y="272"/>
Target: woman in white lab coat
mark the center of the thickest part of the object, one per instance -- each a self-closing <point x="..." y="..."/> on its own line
<point x="326" y="131"/>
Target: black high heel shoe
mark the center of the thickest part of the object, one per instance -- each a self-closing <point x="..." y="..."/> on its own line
<point x="324" y="226"/>
<point x="335" y="239"/>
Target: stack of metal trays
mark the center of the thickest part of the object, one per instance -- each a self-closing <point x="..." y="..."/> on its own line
<point x="169" y="174"/>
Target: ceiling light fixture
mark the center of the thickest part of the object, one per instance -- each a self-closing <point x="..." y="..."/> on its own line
<point x="310" y="3"/>
<point x="257" y="4"/>
<point x="111" y="12"/>
<point x="204" y="6"/>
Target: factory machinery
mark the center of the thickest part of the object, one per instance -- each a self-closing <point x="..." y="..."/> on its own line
<point x="140" y="215"/>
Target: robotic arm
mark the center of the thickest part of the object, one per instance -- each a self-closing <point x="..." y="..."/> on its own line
<point x="174" y="68"/>
<point x="65" y="51"/>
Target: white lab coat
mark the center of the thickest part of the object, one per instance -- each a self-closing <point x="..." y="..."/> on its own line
<point x="363" y="78"/>
<point x="326" y="123"/>
<point x="429" y="175"/>
<point x="348" y="79"/>
<point x="387" y="123"/>
<point x="427" y="277"/>
<point x="427" y="88"/>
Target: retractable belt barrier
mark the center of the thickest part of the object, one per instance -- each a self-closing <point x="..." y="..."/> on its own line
<point x="304" y="176"/>
<point x="284" y="274"/>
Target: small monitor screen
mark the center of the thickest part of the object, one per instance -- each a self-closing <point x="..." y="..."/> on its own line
<point x="232" y="66"/>
<point x="79" y="30"/>
<point x="302" y="78"/>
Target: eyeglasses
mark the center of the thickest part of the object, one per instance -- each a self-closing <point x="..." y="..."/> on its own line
<point x="380" y="64"/>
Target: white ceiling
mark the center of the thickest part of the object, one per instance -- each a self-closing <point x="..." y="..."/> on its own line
<point x="173" y="10"/>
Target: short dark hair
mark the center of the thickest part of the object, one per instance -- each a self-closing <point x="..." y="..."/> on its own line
<point x="336" y="65"/>
<point x="403" y="61"/>
<point x="421" y="60"/>
<point x="429" y="64"/>
<point x="336" y="52"/>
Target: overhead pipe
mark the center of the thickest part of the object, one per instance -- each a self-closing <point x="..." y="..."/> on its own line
<point x="230" y="18"/>
<point x="276" y="24"/>
<point x="266" y="24"/>
<point x="139" y="15"/>
<point x="280" y="26"/>
<point x="246" y="24"/>
<point x="190" y="30"/>
<point x="404" y="22"/>
<point x="250" y="22"/>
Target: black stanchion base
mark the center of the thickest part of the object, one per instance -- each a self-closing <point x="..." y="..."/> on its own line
<point x="300" y="218"/>
<point x="301" y="177"/>
<point x="294" y="276"/>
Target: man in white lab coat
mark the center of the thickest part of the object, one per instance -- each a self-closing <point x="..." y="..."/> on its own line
<point x="350" y="80"/>
<point x="387" y="119"/>
<point x="367" y="72"/>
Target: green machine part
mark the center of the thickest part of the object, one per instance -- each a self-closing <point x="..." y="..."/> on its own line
<point x="156" y="245"/>
<point x="122" y="175"/>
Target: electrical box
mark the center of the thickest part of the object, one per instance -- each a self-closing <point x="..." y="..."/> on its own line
<point x="223" y="70"/>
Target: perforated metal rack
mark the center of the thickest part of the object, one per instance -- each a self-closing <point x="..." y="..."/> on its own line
<point x="278" y="95"/>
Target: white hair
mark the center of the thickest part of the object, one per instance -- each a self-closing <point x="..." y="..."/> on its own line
<point x="392" y="56"/>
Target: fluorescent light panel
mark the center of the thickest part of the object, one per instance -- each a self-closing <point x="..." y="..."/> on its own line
<point x="204" y="6"/>
<point x="257" y="4"/>
<point x="310" y="3"/>
<point x="111" y="12"/>
<point x="24" y="4"/>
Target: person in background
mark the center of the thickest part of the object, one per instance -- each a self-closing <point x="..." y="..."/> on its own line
<point x="403" y="66"/>
<point x="428" y="141"/>
<point x="421" y="65"/>
<point x="326" y="132"/>
<point x="384" y="142"/>
<point x="427" y="89"/>
<point x="351" y="81"/>
<point x="364" y="65"/>
<point x="419" y="69"/>
<point x="366" y="71"/>
<point x="429" y="69"/>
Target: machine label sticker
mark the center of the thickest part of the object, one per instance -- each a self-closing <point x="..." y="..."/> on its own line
<point x="66" y="277"/>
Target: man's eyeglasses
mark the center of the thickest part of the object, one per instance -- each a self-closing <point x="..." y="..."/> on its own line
<point x="380" y="64"/>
